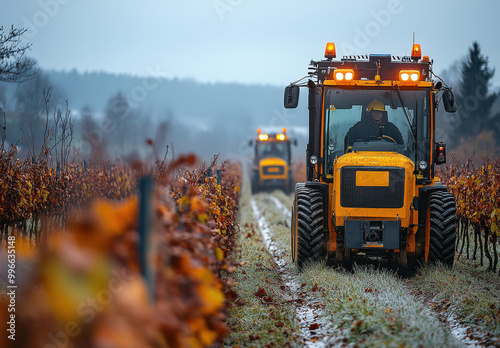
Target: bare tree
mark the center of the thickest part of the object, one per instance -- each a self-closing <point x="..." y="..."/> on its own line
<point x="34" y="101"/>
<point x="4" y="131"/>
<point x="57" y="135"/>
<point x="14" y="66"/>
<point x="88" y="123"/>
<point x="3" y="99"/>
<point x="91" y="134"/>
<point x="62" y="131"/>
<point x="160" y="141"/>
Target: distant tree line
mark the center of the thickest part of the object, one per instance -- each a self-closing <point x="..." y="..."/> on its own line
<point x="36" y="116"/>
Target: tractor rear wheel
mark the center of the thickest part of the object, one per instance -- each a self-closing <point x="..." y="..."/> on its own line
<point x="442" y="224"/>
<point x="310" y="243"/>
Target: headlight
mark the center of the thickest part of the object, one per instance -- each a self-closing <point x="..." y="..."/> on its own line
<point x="313" y="159"/>
<point x="422" y="165"/>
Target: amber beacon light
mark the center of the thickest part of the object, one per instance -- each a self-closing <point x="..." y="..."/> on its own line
<point x="416" y="52"/>
<point x="330" y="50"/>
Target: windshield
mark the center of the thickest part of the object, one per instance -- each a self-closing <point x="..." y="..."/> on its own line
<point x="356" y="116"/>
<point x="273" y="149"/>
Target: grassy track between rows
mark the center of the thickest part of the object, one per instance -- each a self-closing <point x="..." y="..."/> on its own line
<point x="259" y="320"/>
<point x="373" y="307"/>
<point x="466" y="295"/>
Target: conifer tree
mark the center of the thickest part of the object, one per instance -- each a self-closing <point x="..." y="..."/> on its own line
<point x="474" y="97"/>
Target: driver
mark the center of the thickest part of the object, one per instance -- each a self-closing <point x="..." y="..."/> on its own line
<point x="271" y="150"/>
<point x="369" y="126"/>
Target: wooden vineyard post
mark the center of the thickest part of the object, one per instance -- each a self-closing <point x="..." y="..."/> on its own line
<point x="219" y="177"/>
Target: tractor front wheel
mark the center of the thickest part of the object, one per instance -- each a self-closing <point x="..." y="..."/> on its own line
<point x="289" y="187"/>
<point x="309" y="240"/>
<point x="255" y="181"/>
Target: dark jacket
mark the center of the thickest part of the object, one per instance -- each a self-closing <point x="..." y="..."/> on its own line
<point x="365" y="128"/>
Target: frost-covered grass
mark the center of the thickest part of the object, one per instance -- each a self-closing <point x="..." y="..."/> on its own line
<point x="467" y="292"/>
<point x="254" y="323"/>
<point x="277" y="221"/>
<point x="374" y="308"/>
<point x="285" y="199"/>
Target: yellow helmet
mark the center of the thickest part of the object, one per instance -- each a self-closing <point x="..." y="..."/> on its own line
<point x="376" y="105"/>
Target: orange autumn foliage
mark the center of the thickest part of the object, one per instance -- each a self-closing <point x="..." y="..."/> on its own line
<point x="86" y="290"/>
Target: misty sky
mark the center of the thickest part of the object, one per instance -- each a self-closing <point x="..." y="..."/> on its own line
<point x="245" y="41"/>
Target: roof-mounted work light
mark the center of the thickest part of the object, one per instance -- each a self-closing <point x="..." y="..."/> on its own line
<point x="343" y="74"/>
<point x="409" y="75"/>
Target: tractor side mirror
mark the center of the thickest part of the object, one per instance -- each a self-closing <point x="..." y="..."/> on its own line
<point x="449" y="101"/>
<point x="294" y="142"/>
<point x="291" y="97"/>
<point x="250" y="143"/>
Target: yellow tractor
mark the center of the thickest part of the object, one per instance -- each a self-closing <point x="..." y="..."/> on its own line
<point x="371" y="189"/>
<point x="271" y="165"/>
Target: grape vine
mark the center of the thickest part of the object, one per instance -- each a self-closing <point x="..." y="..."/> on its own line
<point x="477" y="193"/>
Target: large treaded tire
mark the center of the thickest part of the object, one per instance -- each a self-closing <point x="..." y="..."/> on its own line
<point x="311" y="241"/>
<point x="291" y="184"/>
<point x="255" y="187"/>
<point x="442" y="211"/>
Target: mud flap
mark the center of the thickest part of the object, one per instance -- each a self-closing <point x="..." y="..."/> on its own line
<point x="363" y="234"/>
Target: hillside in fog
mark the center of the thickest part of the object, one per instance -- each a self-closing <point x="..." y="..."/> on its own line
<point x="202" y="117"/>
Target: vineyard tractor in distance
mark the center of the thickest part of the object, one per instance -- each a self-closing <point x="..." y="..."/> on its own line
<point x="271" y="164"/>
<point x="371" y="189"/>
